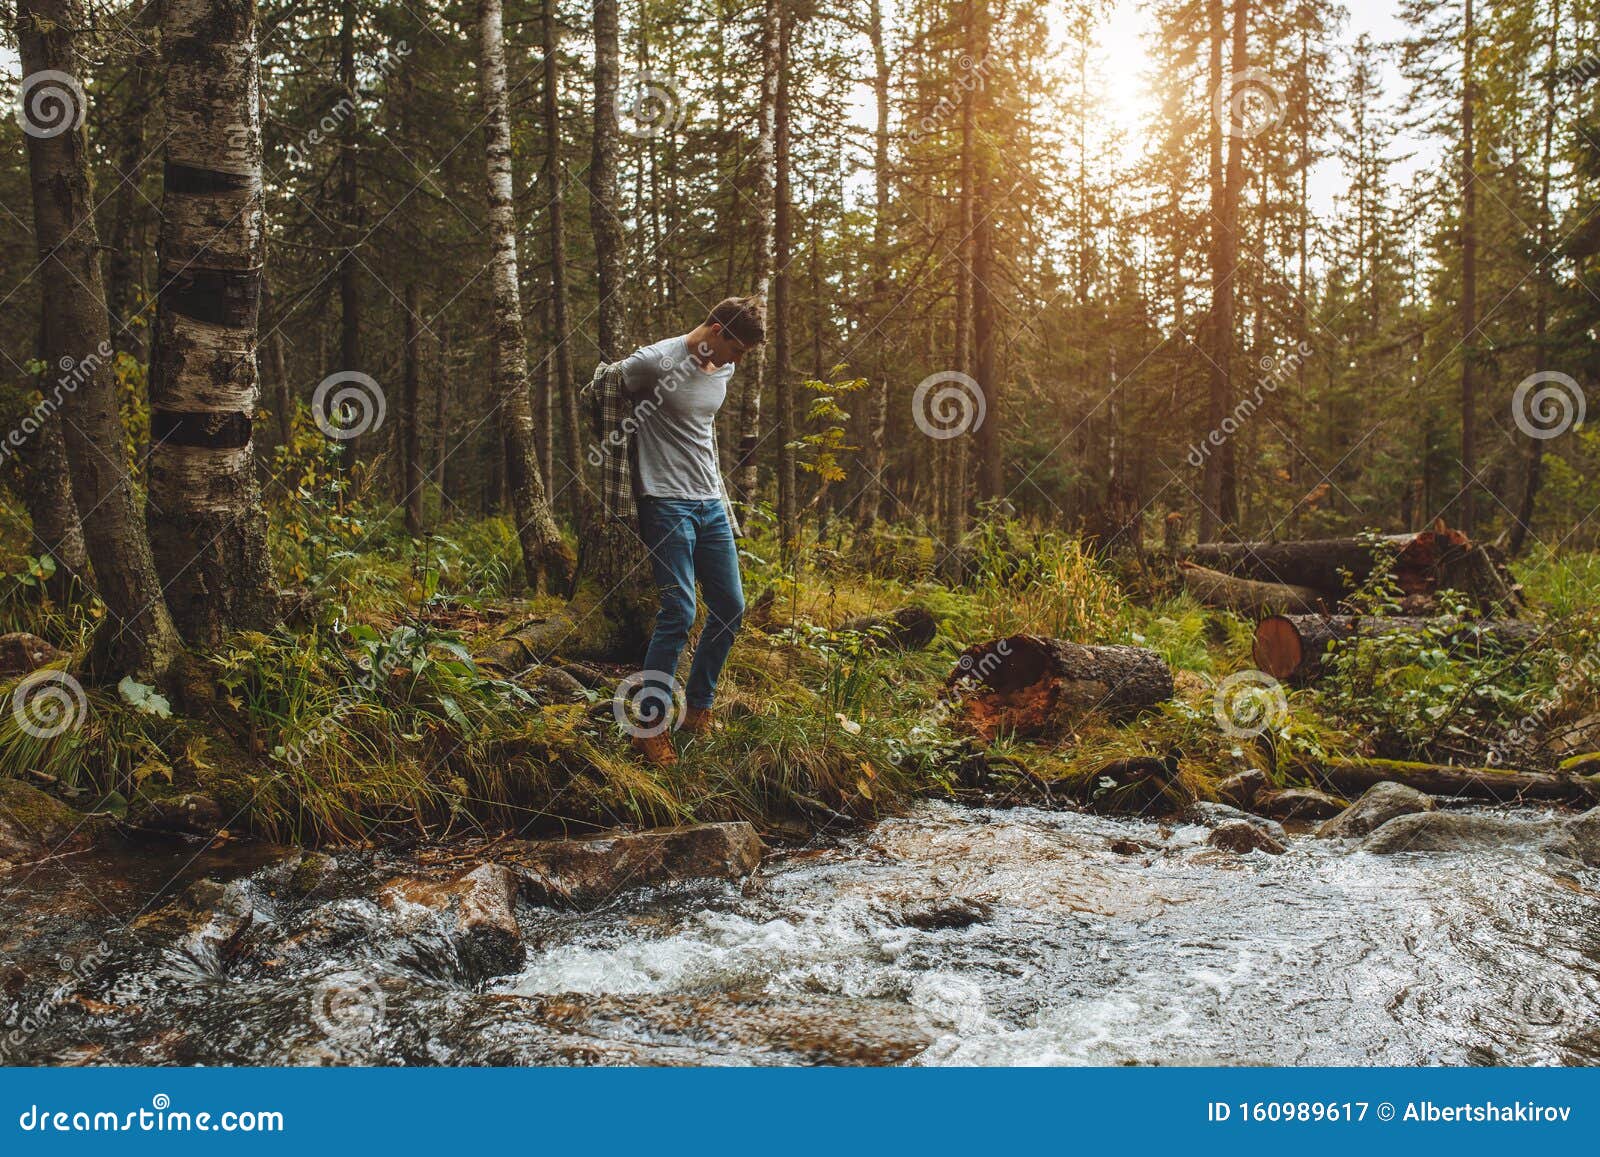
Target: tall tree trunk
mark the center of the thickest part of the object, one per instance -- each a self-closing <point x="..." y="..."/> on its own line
<point x="282" y="391"/>
<point x="126" y="237"/>
<point x="878" y="420"/>
<point x="39" y="473"/>
<point x="441" y="412"/>
<point x="746" y="475"/>
<point x="788" y="531"/>
<point x="349" y="210"/>
<point x="605" y="219"/>
<point x="1239" y="64"/>
<point x="139" y="637"/>
<point x="1533" y="469"/>
<point x="1217" y="372"/>
<point x="1467" y="515"/>
<point x="954" y="523"/>
<point x="206" y="521"/>
<point x="558" y="268"/>
<point x="545" y="556"/>
<point x="410" y="425"/>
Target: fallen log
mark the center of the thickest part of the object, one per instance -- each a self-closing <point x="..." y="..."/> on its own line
<point x="908" y="629"/>
<point x="1352" y="777"/>
<point x="1293" y="647"/>
<point x="1031" y="685"/>
<point x="1246" y="596"/>
<point x="1422" y="563"/>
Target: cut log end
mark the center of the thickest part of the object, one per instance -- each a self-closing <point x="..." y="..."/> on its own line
<point x="1029" y="685"/>
<point x="1278" y="649"/>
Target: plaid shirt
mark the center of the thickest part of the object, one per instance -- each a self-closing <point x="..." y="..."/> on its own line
<point x="615" y="418"/>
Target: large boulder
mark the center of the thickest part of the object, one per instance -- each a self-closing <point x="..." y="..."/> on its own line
<point x="1299" y="803"/>
<point x="1381" y="803"/>
<point x="480" y="907"/>
<point x="1584" y="832"/>
<point x="1440" y="831"/>
<point x="585" y="872"/>
<point x="34" y="824"/>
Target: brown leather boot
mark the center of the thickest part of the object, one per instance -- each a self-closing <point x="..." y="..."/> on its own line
<point x="657" y="750"/>
<point x="698" y="721"/>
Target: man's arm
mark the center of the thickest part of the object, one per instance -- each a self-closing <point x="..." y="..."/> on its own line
<point x="640" y="371"/>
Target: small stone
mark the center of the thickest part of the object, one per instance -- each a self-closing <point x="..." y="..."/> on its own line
<point x="21" y="653"/>
<point x="1129" y="847"/>
<point x="1243" y="837"/>
<point x="312" y="875"/>
<point x="952" y="912"/>
<point x="1381" y="803"/>
<point x="1299" y="803"/>
<point x="1210" y="815"/>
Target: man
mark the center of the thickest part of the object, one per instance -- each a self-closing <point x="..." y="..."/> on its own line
<point x="676" y="387"/>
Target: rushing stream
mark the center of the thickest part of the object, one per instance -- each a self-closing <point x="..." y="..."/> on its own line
<point x="952" y="936"/>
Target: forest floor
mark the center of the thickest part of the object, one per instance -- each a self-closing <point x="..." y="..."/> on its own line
<point x="290" y="736"/>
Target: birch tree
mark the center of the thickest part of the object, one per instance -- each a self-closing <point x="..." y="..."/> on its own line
<point x="545" y="557"/>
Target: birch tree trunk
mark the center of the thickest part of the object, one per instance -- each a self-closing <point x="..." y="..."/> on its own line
<point x="746" y="476"/>
<point x="139" y="637"/>
<point x="545" y="557"/>
<point x="207" y="525"/>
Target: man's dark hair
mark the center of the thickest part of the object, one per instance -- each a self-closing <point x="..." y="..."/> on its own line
<point x="742" y="318"/>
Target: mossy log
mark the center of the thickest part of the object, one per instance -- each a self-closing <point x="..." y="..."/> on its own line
<point x="1422" y="563"/>
<point x="1246" y="596"/>
<point x="1293" y="647"/>
<point x="1031" y="685"/>
<point x="1351" y="777"/>
<point x="908" y="629"/>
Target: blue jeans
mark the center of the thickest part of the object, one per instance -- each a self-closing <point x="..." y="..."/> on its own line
<point x="690" y="539"/>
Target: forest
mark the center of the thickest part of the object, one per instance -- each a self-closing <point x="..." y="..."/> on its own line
<point x="1168" y="410"/>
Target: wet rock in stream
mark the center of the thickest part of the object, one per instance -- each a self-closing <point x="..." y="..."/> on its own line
<point x="480" y="908"/>
<point x="1377" y="806"/>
